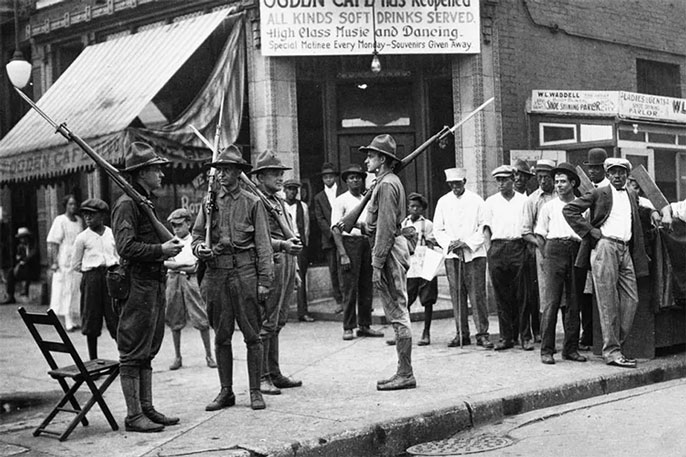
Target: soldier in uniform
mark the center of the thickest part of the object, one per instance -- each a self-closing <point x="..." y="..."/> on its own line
<point x="269" y="172"/>
<point x="390" y="253"/>
<point x="141" y="317"/>
<point x="239" y="273"/>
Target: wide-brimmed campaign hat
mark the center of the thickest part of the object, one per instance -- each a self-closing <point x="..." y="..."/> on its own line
<point x="569" y="170"/>
<point x="141" y="155"/>
<point x="503" y="171"/>
<point x="596" y="156"/>
<point x="521" y="166"/>
<point x="420" y="198"/>
<point x="231" y="155"/>
<point x="353" y="169"/>
<point x="22" y="231"/>
<point x="383" y="144"/>
<point x="328" y="169"/>
<point x="617" y="162"/>
<point x="95" y="205"/>
<point x="267" y="160"/>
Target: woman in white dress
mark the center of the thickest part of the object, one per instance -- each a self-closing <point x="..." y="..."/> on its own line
<point x="65" y="295"/>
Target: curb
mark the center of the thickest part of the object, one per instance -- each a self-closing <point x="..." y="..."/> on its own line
<point x="394" y="437"/>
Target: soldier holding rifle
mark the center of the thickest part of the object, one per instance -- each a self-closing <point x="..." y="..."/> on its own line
<point x="141" y="317"/>
<point x="239" y="272"/>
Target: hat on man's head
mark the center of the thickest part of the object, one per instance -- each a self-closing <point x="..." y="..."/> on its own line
<point x="141" y="155"/>
<point x="544" y="165"/>
<point x="569" y="170"/>
<point x="611" y="162"/>
<point x="179" y="215"/>
<point x="596" y="156"/>
<point x="231" y="155"/>
<point x="292" y="183"/>
<point x="521" y="166"/>
<point x="328" y="169"/>
<point x="353" y="169"/>
<point x="267" y="160"/>
<point x="383" y="144"/>
<point x="503" y="171"/>
<point x="22" y="231"/>
<point x="418" y="197"/>
<point x="455" y="174"/>
<point x="95" y="205"/>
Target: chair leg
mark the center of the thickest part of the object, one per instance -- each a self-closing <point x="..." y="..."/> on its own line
<point x="95" y="397"/>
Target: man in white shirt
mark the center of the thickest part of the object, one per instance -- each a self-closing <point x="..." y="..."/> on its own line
<point x="94" y="252"/>
<point x="506" y="255"/>
<point x="559" y="245"/>
<point x="301" y="225"/>
<point x="354" y="258"/>
<point x="458" y="227"/>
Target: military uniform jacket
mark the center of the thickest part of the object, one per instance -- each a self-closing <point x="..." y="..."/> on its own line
<point x="385" y="214"/>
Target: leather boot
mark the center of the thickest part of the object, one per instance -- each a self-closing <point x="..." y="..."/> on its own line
<point x="404" y="379"/>
<point x="256" y="400"/>
<point x="226" y="397"/>
<point x="135" y="420"/>
<point x="146" y="400"/>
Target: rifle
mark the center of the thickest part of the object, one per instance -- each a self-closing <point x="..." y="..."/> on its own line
<point x="346" y="224"/>
<point x="276" y="212"/>
<point x="212" y="177"/>
<point x="144" y="204"/>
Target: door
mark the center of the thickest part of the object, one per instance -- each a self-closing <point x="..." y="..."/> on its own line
<point x="638" y="156"/>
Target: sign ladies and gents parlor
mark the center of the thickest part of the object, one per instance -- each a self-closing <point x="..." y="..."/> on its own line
<point x="345" y="27"/>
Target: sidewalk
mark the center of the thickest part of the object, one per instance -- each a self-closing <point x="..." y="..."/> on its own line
<point x="337" y="412"/>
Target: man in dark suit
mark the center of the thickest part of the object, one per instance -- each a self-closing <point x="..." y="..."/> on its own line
<point x="323" y="202"/>
<point x="612" y="245"/>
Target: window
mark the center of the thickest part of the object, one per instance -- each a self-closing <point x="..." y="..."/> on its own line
<point x="557" y="133"/>
<point x="658" y="78"/>
<point x="375" y="105"/>
<point x="596" y="132"/>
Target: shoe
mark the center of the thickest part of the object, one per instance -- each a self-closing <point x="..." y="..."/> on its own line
<point x="284" y="382"/>
<point x="306" y="318"/>
<point x="386" y="381"/>
<point x="501" y="346"/>
<point x="348" y="335"/>
<point x="455" y="342"/>
<point x="584" y="347"/>
<point x="528" y="345"/>
<point x="485" y="342"/>
<point x="338" y="310"/>
<point x="629" y="359"/>
<point x="574" y="357"/>
<point x="225" y="399"/>
<point x="210" y="362"/>
<point x="256" y="400"/>
<point x="159" y="418"/>
<point x="141" y="424"/>
<point x="368" y="331"/>
<point x="623" y="362"/>
<point x="547" y="359"/>
<point x="267" y="387"/>
<point x="425" y="341"/>
<point x="8" y="301"/>
<point x="176" y="364"/>
<point x="398" y="383"/>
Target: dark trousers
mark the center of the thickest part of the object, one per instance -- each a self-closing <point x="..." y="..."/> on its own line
<point x="357" y="283"/>
<point x="427" y="291"/>
<point x="21" y="274"/>
<point x="506" y="264"/>
<point x="532" y="290"/>
<point x="332" y="260"/>
<point x="96" y="304"/>
<point x="586" y="305"/>
<point x="561" y="275"/>
<point x="301" y="294"/>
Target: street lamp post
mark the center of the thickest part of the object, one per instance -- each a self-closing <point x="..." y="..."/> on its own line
<point x="18" y="69"/>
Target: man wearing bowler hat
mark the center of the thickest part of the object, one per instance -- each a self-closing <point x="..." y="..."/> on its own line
<point x="612" y="245"/>
<point x="141" y="316"/>
<point x="390" y="253"/>
<point x="239" y="273"/>
<point x="323" y="202"/>
<point x="300" y="216"/>
<point x="269" y="172"/>
<point x="523" y="175"/>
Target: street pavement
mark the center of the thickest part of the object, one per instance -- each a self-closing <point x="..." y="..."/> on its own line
<point x="337" y="412"/>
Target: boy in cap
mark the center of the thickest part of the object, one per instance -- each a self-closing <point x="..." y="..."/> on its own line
<point x="25" y="258"/>
<point x="94" y="252"/>
<point x="184" y="302"/>
<point x="612" y="245"/>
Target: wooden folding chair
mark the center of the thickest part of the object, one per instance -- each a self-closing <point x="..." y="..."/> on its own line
<point x="80" y="373"/>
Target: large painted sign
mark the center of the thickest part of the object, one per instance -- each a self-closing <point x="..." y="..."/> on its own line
<point x="346" y="27"/>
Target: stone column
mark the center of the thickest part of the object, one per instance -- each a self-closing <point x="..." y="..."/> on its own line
<point x="272" y="103"/>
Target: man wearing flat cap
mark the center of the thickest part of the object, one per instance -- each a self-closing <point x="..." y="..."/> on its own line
<point x="458" y="227"/>
<point x="239" y="272"/>
<point x="535" y="279"/>
<point x="323" y="202"/>
<point x="300" y="216"/>
<point x="354" y="258"/>
<point x="612" y="245"/>
<point x="94" y="252"/>
<point x="390" y="253"/>
<point x="286" y="246"/>
<point x="504" y="212"/>
<point x="141" y="315"/>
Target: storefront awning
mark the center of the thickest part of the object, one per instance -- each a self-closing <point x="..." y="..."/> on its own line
<point x="108" y="87"/>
